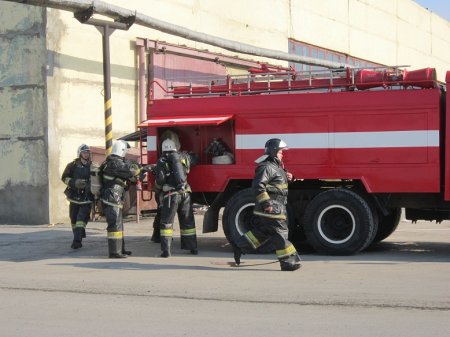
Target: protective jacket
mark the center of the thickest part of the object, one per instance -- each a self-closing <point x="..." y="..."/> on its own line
<point x="270" y="185"/>
<point x="171" y="172"/>
<point x="73" y="171"/>
<point x="171" y="180"/>
<point x="117" y="174"/>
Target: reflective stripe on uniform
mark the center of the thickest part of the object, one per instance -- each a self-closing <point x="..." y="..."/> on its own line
<point x="117" y="180"/>
<point x="272" y="216"/>
<point x="115" y="235"/>
<point x="252" y="239"/>
<point x="79" y="202"/>
<point x="81" y="224"/>
<point x="188" y="232"/>
<point x="279" y="186"/>
<point x="67" y="181"/>
<point x="263" y="197"/>
<point x="112" y="204"/>
<point x="166" y="232"/>
<point x="288" y="251"/>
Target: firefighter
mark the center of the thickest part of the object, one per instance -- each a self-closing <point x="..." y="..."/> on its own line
<point x="117" y="175"/>
<point x="171" y="179"/>
<point x="270" y="185"/>
<point x="156" y="235"/>
<point x="76" y="176"/>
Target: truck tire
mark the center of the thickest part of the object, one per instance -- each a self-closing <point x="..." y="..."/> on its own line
<point x="387" y="224"/>
<point x="238" y="215"/>
<point x="339" y="222"/>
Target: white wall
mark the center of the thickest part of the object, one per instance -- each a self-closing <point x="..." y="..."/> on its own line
<point x="391" y="32"/>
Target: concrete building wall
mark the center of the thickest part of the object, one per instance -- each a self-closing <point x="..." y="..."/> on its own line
<point x="69" y="110"/>
<point x="24" y="192"/>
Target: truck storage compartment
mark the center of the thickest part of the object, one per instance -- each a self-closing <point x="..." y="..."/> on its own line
<point x="213" y="144"/>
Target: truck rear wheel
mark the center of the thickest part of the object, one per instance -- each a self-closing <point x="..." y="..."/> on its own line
<point x="238" y="215"/>
<point x="339" y="222"/>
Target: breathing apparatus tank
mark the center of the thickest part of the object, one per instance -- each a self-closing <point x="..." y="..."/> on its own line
<point x="96" y="180"/>
<point x="179" y="176"/>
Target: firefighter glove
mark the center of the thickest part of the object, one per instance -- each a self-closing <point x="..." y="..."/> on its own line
<point x="272" y="207"/>
<point x="80" y="183"/>
<point x="149" y="168"/>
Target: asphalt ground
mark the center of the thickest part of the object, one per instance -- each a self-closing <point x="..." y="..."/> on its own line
<point x="399" y="287"/>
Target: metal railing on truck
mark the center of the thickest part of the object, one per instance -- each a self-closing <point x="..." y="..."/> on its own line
<point x="345" y="79"/>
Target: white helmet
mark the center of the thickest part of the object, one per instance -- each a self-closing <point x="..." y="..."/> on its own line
<point x="120" y="148"/>
<point x="168" y="145"/>
<point x="82" y="148"/>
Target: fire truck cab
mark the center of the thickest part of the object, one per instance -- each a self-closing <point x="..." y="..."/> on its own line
<point x="363" y="144"/>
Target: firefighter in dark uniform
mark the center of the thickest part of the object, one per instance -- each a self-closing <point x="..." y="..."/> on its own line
<point x="76" y="176"/>
<point x="156" y="235"/>
<point x="171" y="179"/>
<point x="117" y="175"/>
<point x="270" y="185"/>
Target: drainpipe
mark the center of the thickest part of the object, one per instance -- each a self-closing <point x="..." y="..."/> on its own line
<point x="142" y="84"/>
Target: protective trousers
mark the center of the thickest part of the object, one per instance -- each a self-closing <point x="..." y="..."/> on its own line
<point x="156" y="235"/>
<point x="79" y="217"/>
<point x="177" y="203"/>
<point x="114" y="230"/>
<point x="274" y="234"/>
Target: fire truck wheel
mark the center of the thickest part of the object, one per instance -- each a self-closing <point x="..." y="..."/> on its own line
<point x="339" y="222"/>
<point x="387" y="224"/>
<point x="237" y="216"/>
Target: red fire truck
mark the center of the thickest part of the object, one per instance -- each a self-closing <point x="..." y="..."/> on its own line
<point x="363" y="144"/>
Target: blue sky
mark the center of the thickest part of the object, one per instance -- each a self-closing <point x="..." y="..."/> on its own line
<point x="440" y="7"/>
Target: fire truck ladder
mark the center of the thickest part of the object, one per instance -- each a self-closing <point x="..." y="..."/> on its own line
<point x="343" y="79"/>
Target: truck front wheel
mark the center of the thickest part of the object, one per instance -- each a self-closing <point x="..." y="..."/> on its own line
<point x="339" y="222"/>
<point x="238" y="215"/>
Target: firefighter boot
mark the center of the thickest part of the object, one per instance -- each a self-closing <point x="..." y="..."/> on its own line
<point x="115" y="249"/>
<point x="289" y="266"/>
<point x="291" y="263"/>
<point x="189" y="243"/>
<point x="77" y="237"/>
<point x="156" y="236"/>
<point x="84" y="233"/>
<point x="237" y="254"/>
<point x="125" y="252"/>
<point x="166" y="242"/>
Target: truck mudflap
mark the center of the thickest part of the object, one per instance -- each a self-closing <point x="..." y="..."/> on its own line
<point x="211" y="217"/>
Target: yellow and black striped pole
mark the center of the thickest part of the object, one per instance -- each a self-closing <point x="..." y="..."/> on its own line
<point x="107" y="31"/>
<point x="108" y="127"/>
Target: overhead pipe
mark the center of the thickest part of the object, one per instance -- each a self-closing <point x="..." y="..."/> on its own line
<point x="119" y="14"/>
